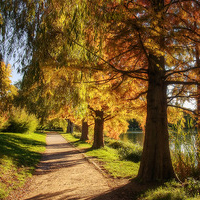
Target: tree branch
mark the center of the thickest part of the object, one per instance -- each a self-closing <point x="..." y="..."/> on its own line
<point x="182" y="83"/>
<point x="185" y="109"/>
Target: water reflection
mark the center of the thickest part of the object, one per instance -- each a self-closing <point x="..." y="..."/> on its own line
<point x="133" y="136"/>
<point x="184" y="142"/>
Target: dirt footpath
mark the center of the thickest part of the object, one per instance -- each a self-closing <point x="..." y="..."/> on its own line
<point x="64" y="173"/>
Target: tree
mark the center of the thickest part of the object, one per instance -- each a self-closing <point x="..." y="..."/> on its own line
<point x="7" y="92"/>
<point x="70" y="127"/>
<point x="143" y="44"/>
<point x="84" y="131"/>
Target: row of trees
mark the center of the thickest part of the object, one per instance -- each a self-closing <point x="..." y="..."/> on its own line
<point x="111" y="59"/>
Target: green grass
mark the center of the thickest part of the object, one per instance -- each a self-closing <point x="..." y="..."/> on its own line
<point x="173" y="190"/>
<point x="19" y="154"/>
<point x="110" y="158"/>
<point x="76" y="141"/>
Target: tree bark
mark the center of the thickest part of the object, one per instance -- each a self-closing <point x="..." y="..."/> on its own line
<point x="70" y="127"/>
<point x="156" y="162"/>
<point x="84" y="132"/>
<point x="198" y="105"/>
<point x="198" y="86"/>
<point x="98" y="130"/>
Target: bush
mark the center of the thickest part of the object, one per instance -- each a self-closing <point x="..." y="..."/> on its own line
<point x="192" y="187"/>
<point x="77" y="135"/>
<point x="21" y="122"/>
<point x="126" y="150"/>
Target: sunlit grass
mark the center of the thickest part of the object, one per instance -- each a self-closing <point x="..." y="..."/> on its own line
<point x="109" y="157"/>
<point x="19" y="154"/>
<point x="174" y="191"/>
<point x="76" y="141"/>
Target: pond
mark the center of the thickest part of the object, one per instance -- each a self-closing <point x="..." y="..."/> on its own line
<point x="184" y="141"/>
<point x="133" y="136"/>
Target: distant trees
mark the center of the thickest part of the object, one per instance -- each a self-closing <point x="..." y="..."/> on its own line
<point x="7" y="92"/>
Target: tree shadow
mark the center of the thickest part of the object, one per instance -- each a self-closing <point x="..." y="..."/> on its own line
<point x="46" y="167"/>
<point x="16" y="148"/>
<point x="131" y="191"/>
<point x="53" y="195"/>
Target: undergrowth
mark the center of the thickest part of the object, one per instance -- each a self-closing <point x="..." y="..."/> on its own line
<point x="189" y="190"/>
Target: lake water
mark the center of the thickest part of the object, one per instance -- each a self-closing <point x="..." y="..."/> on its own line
<point x="185" y="143"/>
<point x="133" y="136"/>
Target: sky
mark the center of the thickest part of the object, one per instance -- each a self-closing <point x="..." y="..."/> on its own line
<point x="15" y="76"/>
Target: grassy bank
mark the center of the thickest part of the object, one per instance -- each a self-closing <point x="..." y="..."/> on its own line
<point x="110" y="156"/>
<point x="19" y="154"/>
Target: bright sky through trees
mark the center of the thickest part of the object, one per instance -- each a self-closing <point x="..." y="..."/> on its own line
<point x="15" y="76"/>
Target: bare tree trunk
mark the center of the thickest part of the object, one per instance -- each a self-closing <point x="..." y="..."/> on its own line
<point x="98" y="130"/>
<point x="84" y="132"/>
<point x="156" y="162"/>
<point x="70" y="127"/>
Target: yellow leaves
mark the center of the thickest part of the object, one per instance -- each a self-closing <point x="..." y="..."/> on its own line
<point x="1" y="19"/>
<point x="7" y="90"/>
<point x="153" y="46"/>
<point x="61" y="21"/>
<point x="175" y="115"/>
<point x="5" y="73"/>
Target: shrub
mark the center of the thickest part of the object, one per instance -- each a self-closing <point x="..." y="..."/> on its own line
<point x="126" y="150"/>
<point x="77" y="134"/>
<point x="184" y="154"/>
<point x="3" y="120"/>
<point x="184" y="149"/>
<point x="21" y="122"/>
<point x="192" y="187"/>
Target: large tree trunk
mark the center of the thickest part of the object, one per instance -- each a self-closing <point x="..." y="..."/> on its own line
<point x="198" y="86"/>
<point x="98" y="130"/>
<point x="70" y="127"/>
<point x="156" y="162"/>
<point x="198" y="104"/>
<point x="198" y="125"/>
<point x="84" y="132"/>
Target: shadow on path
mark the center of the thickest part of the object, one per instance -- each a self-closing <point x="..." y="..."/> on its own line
<point x="131" y="191"/>
<point x="52" y="195"/>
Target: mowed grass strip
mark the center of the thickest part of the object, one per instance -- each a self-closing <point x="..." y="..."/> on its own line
<point x="19" y="155"/>
<point x="110" y="158"/>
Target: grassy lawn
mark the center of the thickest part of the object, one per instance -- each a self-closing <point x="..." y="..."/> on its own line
<point x="19" y="154"/>
<point x="110" y="158"/>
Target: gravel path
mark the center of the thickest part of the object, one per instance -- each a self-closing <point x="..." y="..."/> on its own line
<point x="64" y="173"/>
